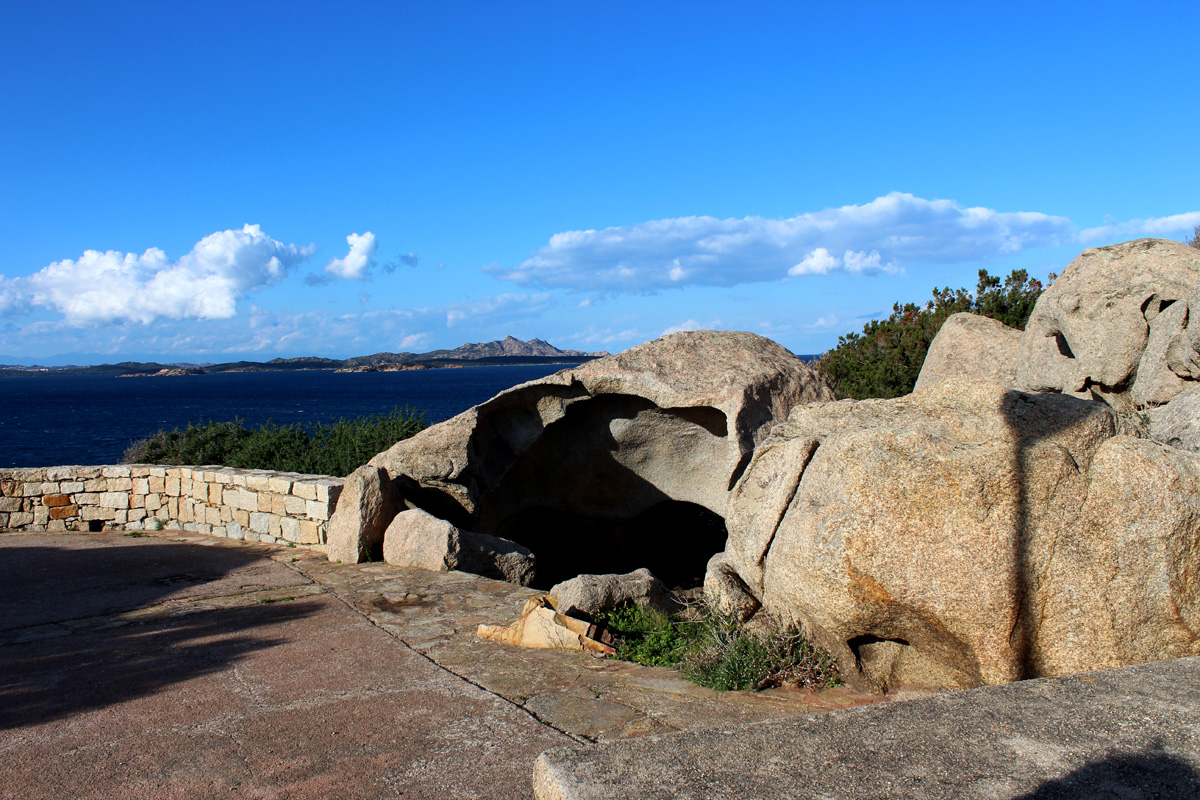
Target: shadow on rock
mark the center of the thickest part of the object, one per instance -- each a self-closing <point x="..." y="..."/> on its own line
<point x="1154" y="773"/>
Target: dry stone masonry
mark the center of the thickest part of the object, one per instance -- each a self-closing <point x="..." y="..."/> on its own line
<point x="255" y="505"/>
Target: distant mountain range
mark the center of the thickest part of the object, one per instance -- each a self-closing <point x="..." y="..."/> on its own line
<point x="509" y="350"/>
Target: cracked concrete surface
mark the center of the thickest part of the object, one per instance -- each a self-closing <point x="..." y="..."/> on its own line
<point x="178" y="665"/>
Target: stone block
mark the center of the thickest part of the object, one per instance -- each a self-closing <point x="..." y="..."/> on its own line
<point x="60" y="473"/>
<point x="224" y="477"/>
<point x="136" y="514"/>
<point x="10" y="489"/>
<point x="141" y="486"/>
<point x="173" y="507"/>
<point x="199" y="491"/>
<point x="139" y="470"/>
<point x="10" y="504"/>
<point x="315" y="509"/>
<point x="87" y="498"/>
<point x="48" y="487"/>
<point x="121" y="515"/>
<point x="242" y="517"/>
<point x="273" y="527"/>
<point x="19" y="519"/>
<point x="114" y="500"/>
<point x="118" y="484"/>
<point x="328" y="490"/>
<point x="185" y="486"/>
<point x="279" y="484"/>
<point x="32" y="489"/>
<point x="226" y="514"/>
<point x="289" y="528"/>
<point x="239" y="480"/>
<point x="310" y="532"/>
<point x="171" y="486"/>
<point x="3" y="519"/>
<point x="242" y="498"/>
<point x="156" y="485"/>
<point x="304" y="489"/>
<point x="63" y="512"/>
<point x="264" y="502"/>
<point x="260" y="522"/>
<point x="95" y="512"/>
<point x="41" y="515"/>
<point x="250" y="536"/>
<point x="115" y="472"/>
<point x="295" y="506"/>
<point x="278" y="504"/>
<point x="257" y="481"/>
<point x="53" y="500"/>
<point x="153" y="502"/>
<point x="70" y="487"/>
<point x="137" y="500"/>
<point x="212" y="515"/>
<point x="95" y="485"/>
<point x="218" y="530"/>
<point x="215" y="493"/>
<point x="157" y="472"/>
<point x="56" y="525"/>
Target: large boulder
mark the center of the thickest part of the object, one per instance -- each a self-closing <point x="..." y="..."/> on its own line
<point x="601" y="464"/>
<point x="971" y="346"/>
<point x="911" y="536"/>
<point x="1089" y="331"/>
<point x="417" y="539"/>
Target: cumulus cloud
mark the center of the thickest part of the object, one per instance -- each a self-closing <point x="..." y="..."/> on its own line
<point x="358" y="261"/>
<point x="1155" y="227"/>
<point x="877" y="237"/>
<point x="204" y="284"/>
<point x="687" y="325"/>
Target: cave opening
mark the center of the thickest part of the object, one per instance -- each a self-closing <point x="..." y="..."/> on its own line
<point x="673" y="539"/>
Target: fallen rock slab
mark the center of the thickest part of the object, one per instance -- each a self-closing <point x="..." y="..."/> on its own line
<point x="541" y="627"/>
<point x="415" y="538"/>
<point x="1126" y="732"/>
<point x="591" y="594"/>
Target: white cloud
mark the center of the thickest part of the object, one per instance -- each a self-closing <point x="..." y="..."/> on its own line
<point x="879" y="236"/>
<point x="1156" y="227"/>
<point x="358" y="261"/>
<point x="416" y="340"/>
<point x="204" y="284"/>
<point x="688" y="325"/>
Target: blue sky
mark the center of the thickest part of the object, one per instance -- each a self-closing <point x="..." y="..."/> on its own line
<point x="216" y="181"/>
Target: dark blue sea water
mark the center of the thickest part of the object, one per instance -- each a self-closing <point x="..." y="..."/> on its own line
<point x="91" y="419"/>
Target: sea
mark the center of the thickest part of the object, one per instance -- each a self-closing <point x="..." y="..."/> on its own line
<point x="51" y="420"/>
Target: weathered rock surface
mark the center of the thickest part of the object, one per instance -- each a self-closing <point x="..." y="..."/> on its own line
<point x="1178" y="422"/>
<point x="1090" y="329"/>
<point x="615" y="451"/>
<point x="1122" y="585"/>
<point x="726" y="593"/>
<point x="591" y="594"/>
<point x="911" y="537"/>
<point x="417" y="539"/>
<point x="968" y="345"/>
<point x="363" y="511"/>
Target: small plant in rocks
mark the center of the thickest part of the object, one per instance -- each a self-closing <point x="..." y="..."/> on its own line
<point x="718" y="652"/>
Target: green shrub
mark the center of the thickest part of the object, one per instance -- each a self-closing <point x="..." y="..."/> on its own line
<point x="319" y="449"/>
<point x="886" y="358"/>
<point x="716" y="651"/>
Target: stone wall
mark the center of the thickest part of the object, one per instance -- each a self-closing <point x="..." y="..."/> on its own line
<point x="256" y="505"/>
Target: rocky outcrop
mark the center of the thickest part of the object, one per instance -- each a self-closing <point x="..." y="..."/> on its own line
<point x="915" y="538"/>
<point x="417" y="539"/>
<point x="603" y="464"/>
<point x="968" y="345"/>
<point x="1090" y="331"/>
<point x="591" y="594"/>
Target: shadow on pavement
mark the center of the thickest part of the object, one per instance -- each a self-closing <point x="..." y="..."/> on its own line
<point x="63" y="651"/>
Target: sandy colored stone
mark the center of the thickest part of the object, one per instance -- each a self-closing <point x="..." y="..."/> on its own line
<point x="1155" y="382"/>
<point x="591" y="594"/>
<point x="969" y="345"/>
<point x="63" y="512"/>
<point x="52" y="500"/>
<point x="1178" y="422"/>
<point x="363" y="513"/>
<point x="908" y="535"/>
<point x="415" y="538"/>
<point x="1091" y="327"/>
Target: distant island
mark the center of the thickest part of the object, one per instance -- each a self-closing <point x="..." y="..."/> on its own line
<point x="508" y="351"/>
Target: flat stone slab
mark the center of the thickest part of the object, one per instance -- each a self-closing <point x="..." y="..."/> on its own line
<point x="1126" y="733"/>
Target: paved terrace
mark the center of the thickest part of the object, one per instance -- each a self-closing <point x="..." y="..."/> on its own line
<point x="180" y="665"/>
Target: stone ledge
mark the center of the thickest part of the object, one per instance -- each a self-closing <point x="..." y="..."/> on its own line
<point x="1126" y="732"/>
